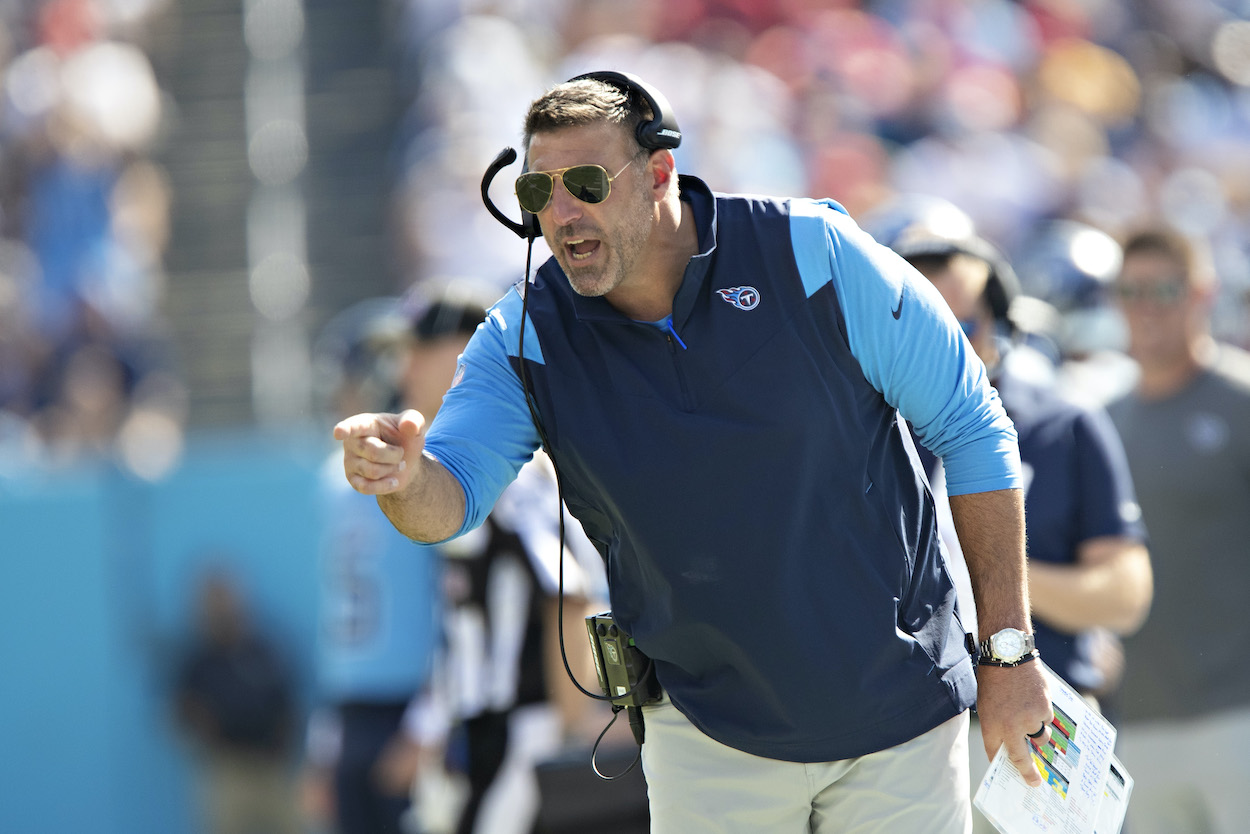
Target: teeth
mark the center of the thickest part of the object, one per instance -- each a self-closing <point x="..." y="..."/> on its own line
<point x="571" y="243"/>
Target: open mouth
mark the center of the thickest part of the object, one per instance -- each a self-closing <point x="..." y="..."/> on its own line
<point x="580" y="250"/>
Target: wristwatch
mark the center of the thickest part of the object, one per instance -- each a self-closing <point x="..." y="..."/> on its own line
<point x="1009" y="647"/>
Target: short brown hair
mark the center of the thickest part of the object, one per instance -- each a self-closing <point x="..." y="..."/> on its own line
<point x="585" y="102"/>
<point x="1190" y="256"/>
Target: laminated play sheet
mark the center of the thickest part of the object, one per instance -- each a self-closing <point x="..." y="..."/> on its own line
<point x="1085" y="789"/>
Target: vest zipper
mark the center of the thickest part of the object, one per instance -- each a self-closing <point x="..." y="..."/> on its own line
<point x="673" y="334"/>
<point x="674" y="342"/>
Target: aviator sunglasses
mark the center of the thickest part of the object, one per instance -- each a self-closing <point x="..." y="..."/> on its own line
<point x="588" y="183"/>
<point x="1165" y="293"/>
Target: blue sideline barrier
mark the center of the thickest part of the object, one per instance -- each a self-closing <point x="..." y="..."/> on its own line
<point x="97" y="575"/>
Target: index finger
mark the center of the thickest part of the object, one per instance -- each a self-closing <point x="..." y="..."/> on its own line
<point x="358" y="425"/>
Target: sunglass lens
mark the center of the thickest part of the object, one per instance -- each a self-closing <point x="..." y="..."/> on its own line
<point x="533" y="191"/>
<point x="1164" y="294"/>
<point x="588" y="183"/>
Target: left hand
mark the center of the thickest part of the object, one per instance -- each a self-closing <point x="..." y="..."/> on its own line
<point x="1012" y="703"/>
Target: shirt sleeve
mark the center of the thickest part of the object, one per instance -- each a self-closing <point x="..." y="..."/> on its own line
<point x="910" y="347"/>
<point x="483" y="432"/>
<point x="1108" y="502"/>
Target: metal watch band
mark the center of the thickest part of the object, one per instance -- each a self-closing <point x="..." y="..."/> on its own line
<point x="1007" y="664"/>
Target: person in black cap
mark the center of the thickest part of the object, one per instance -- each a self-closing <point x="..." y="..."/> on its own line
<point x="493" y="702"/>
<point x="1089" y="571"/>
<point x="380" y="592"/>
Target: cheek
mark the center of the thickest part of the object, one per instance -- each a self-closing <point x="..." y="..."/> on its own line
<point x="635" y="227"/>
<point x="962" y="303"/>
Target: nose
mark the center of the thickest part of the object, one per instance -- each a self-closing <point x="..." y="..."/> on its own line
<point x="564" y="207"/>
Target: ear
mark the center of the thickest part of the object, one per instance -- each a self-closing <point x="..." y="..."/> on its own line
<point x="662" y="169"/>
<point x="1206" y="292"/>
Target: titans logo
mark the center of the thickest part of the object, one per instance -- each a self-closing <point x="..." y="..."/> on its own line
<point x="744" y="298"/>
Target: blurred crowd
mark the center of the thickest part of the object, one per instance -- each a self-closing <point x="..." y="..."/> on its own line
<point x="1044" y="120"/>
<point x="1052" y="123"/>
<point x="1057" y="126"/>
<point x="85" y="365"/>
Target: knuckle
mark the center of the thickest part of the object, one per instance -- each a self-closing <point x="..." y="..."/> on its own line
<point x="371" y="470"/>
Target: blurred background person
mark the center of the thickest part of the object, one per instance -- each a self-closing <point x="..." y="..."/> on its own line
<point x="500" y="701"/>
<point x="235" y="701"/>
<point x="89" y="209"/>
<point x="1089" y="572"/>
<point x="379" y="592"/>
<point x="1185" y="701"/>
<point x="1070" y="267"/>
<point x="463" y="740"/>
<point x="502" y="684"/>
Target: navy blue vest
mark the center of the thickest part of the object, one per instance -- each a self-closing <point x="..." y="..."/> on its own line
<point x="770" y="540"/>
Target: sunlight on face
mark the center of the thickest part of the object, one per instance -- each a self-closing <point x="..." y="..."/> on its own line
<point x="599" y="246"/>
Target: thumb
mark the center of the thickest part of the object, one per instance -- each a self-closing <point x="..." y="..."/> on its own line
<point x="411" y="425"/>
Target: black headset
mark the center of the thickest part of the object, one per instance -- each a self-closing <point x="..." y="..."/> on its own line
<point x="1002" y="285"/>
<point x="657" y="133"/>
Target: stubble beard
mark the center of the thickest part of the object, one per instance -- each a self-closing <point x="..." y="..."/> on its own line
<point x="625" y="245"/>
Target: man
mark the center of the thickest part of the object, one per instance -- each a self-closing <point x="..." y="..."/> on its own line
<point x="500" y="686"/>
<point x="380" y="593"/>
<point x="717" y="379"/>
<point x="497" y="677"/>
<point x="1088" y="569"/>
<point x="1185" y="701"/>
<point x="236" y="700"/>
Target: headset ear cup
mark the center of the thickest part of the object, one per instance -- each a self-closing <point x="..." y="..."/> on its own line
<point x="1002" y="288"/>
<point x="997" y="298"/>
<point x="662" y="130"/>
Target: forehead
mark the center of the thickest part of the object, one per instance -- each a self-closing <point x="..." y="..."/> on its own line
<point x="969" y="272"/>
<point x="1151" y="264"/>
<point x="600" y="144"/>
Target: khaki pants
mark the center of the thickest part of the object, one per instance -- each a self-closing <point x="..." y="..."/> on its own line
<point x="978" y="764"/>
<point x="248" y="793"/>
<point x="696" y="785"/>
<point x="1190" y="775"/>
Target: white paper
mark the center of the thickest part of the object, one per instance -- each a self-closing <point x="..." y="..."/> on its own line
<point x="1114" y="799"/>
<point x="1076" y="768"/>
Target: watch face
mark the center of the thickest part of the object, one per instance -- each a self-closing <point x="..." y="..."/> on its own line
<point x="1008" y="644"/>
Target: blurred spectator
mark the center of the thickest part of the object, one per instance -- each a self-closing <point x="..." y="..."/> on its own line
<point x="84" y="216"/>
<point x="1071" y="266"/>
<point x="1107" y="114"/>
<point x="1088" y="570"/>
<point x="498" y="702"/>
<point x="501" y="687"/>
<point x="379" y="608"/>
<point x="235" y="702"/>
<point x="1185" y="702"/>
